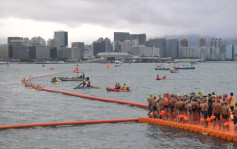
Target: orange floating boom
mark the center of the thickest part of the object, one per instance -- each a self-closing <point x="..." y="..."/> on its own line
<point x="97" y="98"/>
<point x="68" y="123"/>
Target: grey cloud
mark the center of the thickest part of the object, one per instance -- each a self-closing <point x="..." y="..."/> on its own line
<point x="184" y="15"/>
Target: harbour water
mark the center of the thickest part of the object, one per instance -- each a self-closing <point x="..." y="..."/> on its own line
<point x="21" y="105"/>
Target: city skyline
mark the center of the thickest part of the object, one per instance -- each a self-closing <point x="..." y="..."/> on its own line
<point x="86" y="21"/>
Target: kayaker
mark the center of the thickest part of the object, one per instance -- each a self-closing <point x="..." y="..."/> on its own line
<point x="157" y="76"/>
<point x="116" y="86"/>
<point x="89" y="83"/>
<point x="124" y="87"/>
<point x="119" y="86"/>
<point x="83" y="83"/>
<point x="54" y="79"/>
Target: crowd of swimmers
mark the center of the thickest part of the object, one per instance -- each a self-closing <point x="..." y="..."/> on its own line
<point x="194" y="108"/>
<point x="117" y="86"/>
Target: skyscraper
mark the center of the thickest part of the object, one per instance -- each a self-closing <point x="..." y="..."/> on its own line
<point x="99" y="46"/>
<point x="158" y="43"/>
<point x="172" y="48"/>
<point x="140" y="37"/>
<point x="60" y="39"/>
<point x="202" y="42"/>
<point x="216" y="42"/>
<point x="184" y="43"/>
<point x="121" y="36"/>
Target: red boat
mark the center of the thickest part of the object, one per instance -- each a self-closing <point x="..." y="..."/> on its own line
<point x="117" y="90"/>
<point x="159" y="78"/>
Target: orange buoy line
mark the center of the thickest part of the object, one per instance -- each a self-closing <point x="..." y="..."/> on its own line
<point x="97" y="98"/>
<point x="226" y="135"/>
<point x="80" y="95"/>
<point x="68" y="123"/>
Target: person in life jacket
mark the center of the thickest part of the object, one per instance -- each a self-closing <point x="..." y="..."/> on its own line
<point x="116" y="86"/>
<point x="89" y="83"/>
<point x="54" y="79"/>
<point x="83" y="83"/>
<point x="232" y="101"/>
<point x="124" y="87"/>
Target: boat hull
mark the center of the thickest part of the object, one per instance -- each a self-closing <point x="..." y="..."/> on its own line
<point x="186" y="68"/>
<point x="73" y="79"/>
<point x="117" y="90"/>
<point x="162" y="68"/>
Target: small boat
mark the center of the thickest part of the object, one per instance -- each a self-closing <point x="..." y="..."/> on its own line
<point x="187" y="67"/>
<point x="117" y="63"/>
<point x="74" y="78"/>
<point x="117" y="90"/>
<point x="159" y="78"/>
<point x="162" y="68"/>
<point x="78" y="78"/>
<point x="175" y="70"/>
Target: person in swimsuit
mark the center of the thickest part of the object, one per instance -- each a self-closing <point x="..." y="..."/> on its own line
<point x="149" y="100"/>
<point x="204" y="111"/>
<point x="217" y="111"/>
<point x="189" y="111"/>
<point x="225" y="113"/>
<point x="235" y="116"/>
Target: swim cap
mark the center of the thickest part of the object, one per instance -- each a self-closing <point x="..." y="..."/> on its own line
<point x="185" y="94"/>
<point x="151" y="95"/>
<point x="158" y="94"/>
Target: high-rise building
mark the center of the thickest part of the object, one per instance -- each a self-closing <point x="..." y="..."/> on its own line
<point x="13" y="39"/>
<point x="50" y="42"/>
<point x="60" y="39"/>
<point x="121" y="36"/>
<point x="183" y="43"/>
<point x="108" y="47"/>
<point x="158" y="43"/>
<point x="229" y="52"/>
<point x="202" y="42"/>
<point x="78" y="50"/>
<point x="216" y="42"/>
<point x="140" y="37"/>
<point x="172" y="48"/>
<point x="99" y="46"/>
<point x="38" y="41"/>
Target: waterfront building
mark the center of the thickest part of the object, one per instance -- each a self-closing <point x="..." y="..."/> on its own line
<point x="216" y="42"/>
<point x="205" y="53"/>
<point x="50" y="42"/>
<point x="158" y="43"/>
<point x="172" y="48"/>
<point x="78" y="49"/>
<point x="37" y="41"/>
<point x="13" y="39"/>
<point x="116" y="46"/>
<point x="229" y="52"/>
<point x="184" y="43"/>
<point x="140" y="37"/>
<point x="235" y="51"/>
<point x="202" y="42"/>
<point x="143" y="51"/>
<point x="99" y="46"/>
<point x="189" y="52"/>
<point x="4" y="54"/>
<point x="60" y="39"/>
<point x="121" y="36"/>
<point x="127" y="45"/>
<point x="88" y="51"/>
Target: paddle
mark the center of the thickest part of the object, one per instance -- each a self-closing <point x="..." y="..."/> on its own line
<point x="96" y="87"/>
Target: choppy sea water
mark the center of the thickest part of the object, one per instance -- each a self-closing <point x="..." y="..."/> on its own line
<point x="20" y="105"/>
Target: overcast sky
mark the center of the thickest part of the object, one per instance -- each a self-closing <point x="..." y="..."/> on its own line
<point x="87" y="20"/>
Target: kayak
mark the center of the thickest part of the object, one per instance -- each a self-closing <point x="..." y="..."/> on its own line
<point x="85" y="87"/>
<point x="55" y="82"/>
<point x="117" y="90"/>
<point x="158" y="78"/>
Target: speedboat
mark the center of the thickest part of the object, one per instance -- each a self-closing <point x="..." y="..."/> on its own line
<point x="117" y="63"/>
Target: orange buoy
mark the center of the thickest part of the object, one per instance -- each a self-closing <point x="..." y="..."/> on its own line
<point x="226" y="124"/>
<point x="107" y="66"/>
<point x="212" y="117"/>
<point x="186" y="118"/>
<point x="202" y="120"/>
<point x="208" y="119"/>
<point x="151" y="113"/>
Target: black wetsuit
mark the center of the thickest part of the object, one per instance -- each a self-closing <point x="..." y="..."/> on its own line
<point x="209" y="107"/>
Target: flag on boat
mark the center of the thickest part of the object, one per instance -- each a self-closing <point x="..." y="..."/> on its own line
<point x="75" y="70"/>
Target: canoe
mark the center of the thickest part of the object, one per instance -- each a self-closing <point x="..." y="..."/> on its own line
<point x="162" y="68"/>
<point x="158" y="78"/>
<point x="73" y="78"/>
<point x="117" y="90"/>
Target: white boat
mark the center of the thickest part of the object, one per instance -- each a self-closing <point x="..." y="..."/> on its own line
<point x="175" y="70"/>
<point x="117" y="63"/>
